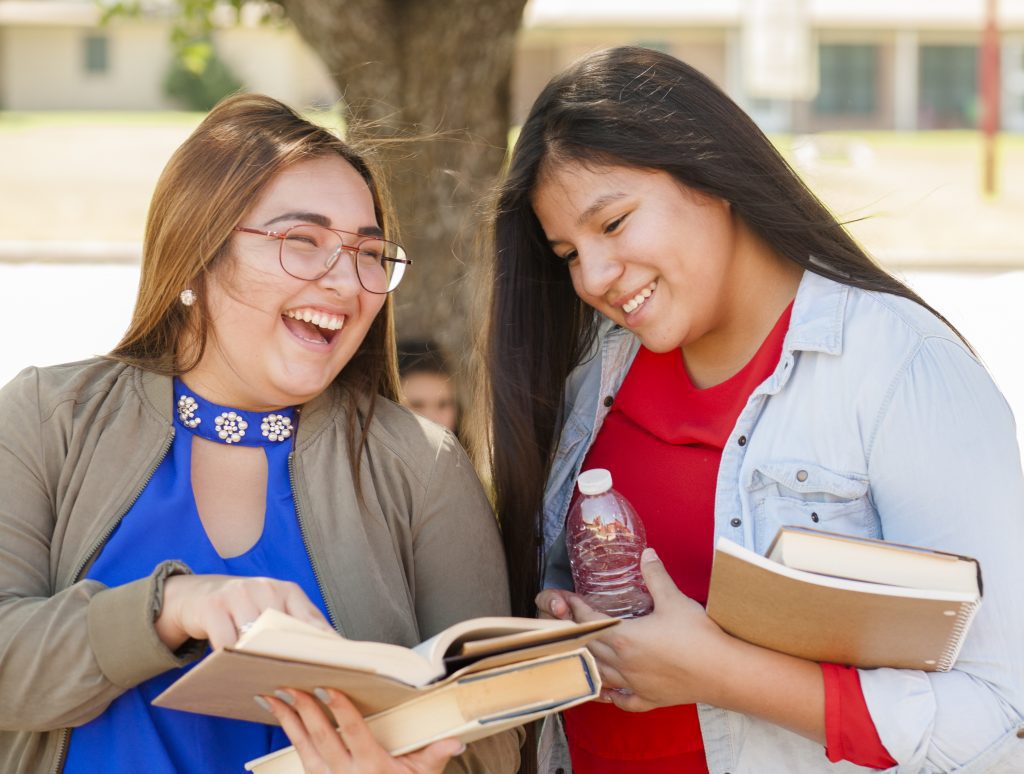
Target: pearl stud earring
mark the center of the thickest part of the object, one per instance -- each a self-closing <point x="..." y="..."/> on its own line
<point x="187" y="296"/>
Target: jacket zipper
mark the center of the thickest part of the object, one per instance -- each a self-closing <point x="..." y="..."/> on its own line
<point x="65" y="733"/>
<point x="305" y="540"/>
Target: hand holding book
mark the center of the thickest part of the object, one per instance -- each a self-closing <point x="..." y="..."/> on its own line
<point x="345" y="744"/>
<point x="472" y="680"/>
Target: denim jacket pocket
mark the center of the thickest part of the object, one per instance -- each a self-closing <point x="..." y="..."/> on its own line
<point x="808" y="495"/>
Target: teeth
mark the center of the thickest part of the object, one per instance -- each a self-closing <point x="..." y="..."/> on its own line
<point x="320" y="319"/>
<point x="634" y="303"/>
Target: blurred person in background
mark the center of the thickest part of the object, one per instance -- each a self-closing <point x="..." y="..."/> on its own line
<point x="428" y="383"/>
<point x="671" y="302"/>
<point x="241" y="449"/>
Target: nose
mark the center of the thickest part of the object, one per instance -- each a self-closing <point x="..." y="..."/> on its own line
<point x="341" y="276"/>
<point x="597" y="269"/>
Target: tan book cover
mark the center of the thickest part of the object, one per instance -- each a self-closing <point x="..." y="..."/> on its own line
<point x="470" y="708"/>
<point x="282" y="652"/>
<point x="837" y="619"/>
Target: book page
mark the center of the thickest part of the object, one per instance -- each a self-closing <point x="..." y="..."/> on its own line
<point x="280" y="636"/>
<point x="476" y="638"/>
<point x="876" y="561"/>
<point x="726" y="546"/>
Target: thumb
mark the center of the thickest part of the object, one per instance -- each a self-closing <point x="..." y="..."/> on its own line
<point x="658" y="581"/>
<point x="435" y="756"/>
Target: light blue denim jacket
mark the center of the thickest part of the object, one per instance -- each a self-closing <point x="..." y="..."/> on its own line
<point x="903" y="436"/>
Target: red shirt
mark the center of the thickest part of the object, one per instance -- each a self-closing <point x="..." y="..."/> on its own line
<point x="663" y="441"/>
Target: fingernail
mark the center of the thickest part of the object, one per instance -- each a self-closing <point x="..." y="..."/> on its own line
<point x="459" y="751"/>
<point x="322" y="695"/>
<point x="649" y="555"/>
<point x="286" y="697"/>
<point x="264" y="704"/>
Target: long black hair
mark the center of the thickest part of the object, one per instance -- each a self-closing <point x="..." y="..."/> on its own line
<point x="639" y="108"/>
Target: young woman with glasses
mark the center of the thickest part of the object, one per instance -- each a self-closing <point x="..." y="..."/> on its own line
<point x="671" y="302"/>
<point x="239" y="450"/>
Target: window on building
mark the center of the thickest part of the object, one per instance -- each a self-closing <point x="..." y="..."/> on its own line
<point x="948" y="87"/>
<point x="848" y="79"/>
<point x="96" y="54"/>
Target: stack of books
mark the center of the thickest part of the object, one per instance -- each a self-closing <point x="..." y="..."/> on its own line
<point x="846" y="599"/>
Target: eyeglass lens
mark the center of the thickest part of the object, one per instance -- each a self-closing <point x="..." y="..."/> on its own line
<point x="308" y="252"/>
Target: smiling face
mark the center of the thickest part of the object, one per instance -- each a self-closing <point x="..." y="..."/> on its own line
<point x="642" y="249"/>
<point x="276" y="340"/>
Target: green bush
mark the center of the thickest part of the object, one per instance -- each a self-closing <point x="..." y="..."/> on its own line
<point x="197" y="78"/>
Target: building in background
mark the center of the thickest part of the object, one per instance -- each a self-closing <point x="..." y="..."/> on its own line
<point x="877" y="64"/>
<point x="849" y="64"/>
<point x="55" y="55"/>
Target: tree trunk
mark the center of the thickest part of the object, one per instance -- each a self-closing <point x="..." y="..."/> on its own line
<point x="420" y="67"/>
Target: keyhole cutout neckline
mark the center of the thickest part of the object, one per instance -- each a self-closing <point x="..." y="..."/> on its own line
<point x="230" y="489"/>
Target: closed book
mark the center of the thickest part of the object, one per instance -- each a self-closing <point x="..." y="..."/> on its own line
<point x="282" y="652"/>
<point x="862" y="602"/>
<point x="472" y="707"/>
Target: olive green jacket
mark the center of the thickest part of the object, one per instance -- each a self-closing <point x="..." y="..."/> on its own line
<point x="78" y="444"/>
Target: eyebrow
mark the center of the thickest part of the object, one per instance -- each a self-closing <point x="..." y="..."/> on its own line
<point x="322" y="220"/>
<point x="598" y="204"/>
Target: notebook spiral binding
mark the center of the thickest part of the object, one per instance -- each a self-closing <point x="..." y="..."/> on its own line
<point x="956" y="640"/>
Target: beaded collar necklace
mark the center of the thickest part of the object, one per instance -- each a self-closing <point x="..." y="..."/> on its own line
<point x="231" y="426"/>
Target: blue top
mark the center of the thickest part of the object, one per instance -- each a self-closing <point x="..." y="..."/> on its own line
<point x="132" y="735"/>
<point x="880" y="422"/>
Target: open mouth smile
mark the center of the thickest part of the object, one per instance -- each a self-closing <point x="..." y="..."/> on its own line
<point x="312" y="325"/>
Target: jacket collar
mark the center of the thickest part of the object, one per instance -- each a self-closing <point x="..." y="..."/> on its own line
<point x="819" y="310"/>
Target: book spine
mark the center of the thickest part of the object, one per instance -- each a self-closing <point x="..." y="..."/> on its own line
<point x="956" y="638"/>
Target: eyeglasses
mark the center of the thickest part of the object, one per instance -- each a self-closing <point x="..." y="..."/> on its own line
<point x="308" y="252"/>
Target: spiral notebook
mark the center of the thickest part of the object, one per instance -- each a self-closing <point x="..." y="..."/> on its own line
<point x="834" y="616"/>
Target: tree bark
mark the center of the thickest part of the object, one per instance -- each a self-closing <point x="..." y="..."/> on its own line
<point x="411" y="68"/>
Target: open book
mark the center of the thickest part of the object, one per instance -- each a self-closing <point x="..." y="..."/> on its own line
<point x="475" y="678"/>
<point x="847" y="599"/>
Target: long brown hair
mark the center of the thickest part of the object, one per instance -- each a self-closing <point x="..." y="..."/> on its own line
<point x="206" y="187"/>
<point x="639" y="108"/>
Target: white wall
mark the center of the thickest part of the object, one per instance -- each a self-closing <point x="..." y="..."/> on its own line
<point x="276" y="61"/>
<point x="43" y="68"/>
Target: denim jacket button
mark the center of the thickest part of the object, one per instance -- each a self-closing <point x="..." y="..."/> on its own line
<point x="742" y="441"/>
<point x="608" y="401"/>
<point x="1020" y="732"/>
<point x="736" y="522"/>
<point x="801" y="475"/>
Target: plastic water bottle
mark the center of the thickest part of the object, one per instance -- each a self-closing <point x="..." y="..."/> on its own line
<point x="605" y="537"/>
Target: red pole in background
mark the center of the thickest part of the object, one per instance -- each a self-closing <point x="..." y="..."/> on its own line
<point x="989" y="89"/>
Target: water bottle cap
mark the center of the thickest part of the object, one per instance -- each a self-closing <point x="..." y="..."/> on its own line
<point x="595" y="481"/>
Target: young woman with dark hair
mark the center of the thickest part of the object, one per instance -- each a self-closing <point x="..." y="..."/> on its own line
<point x="671" y="302"/>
